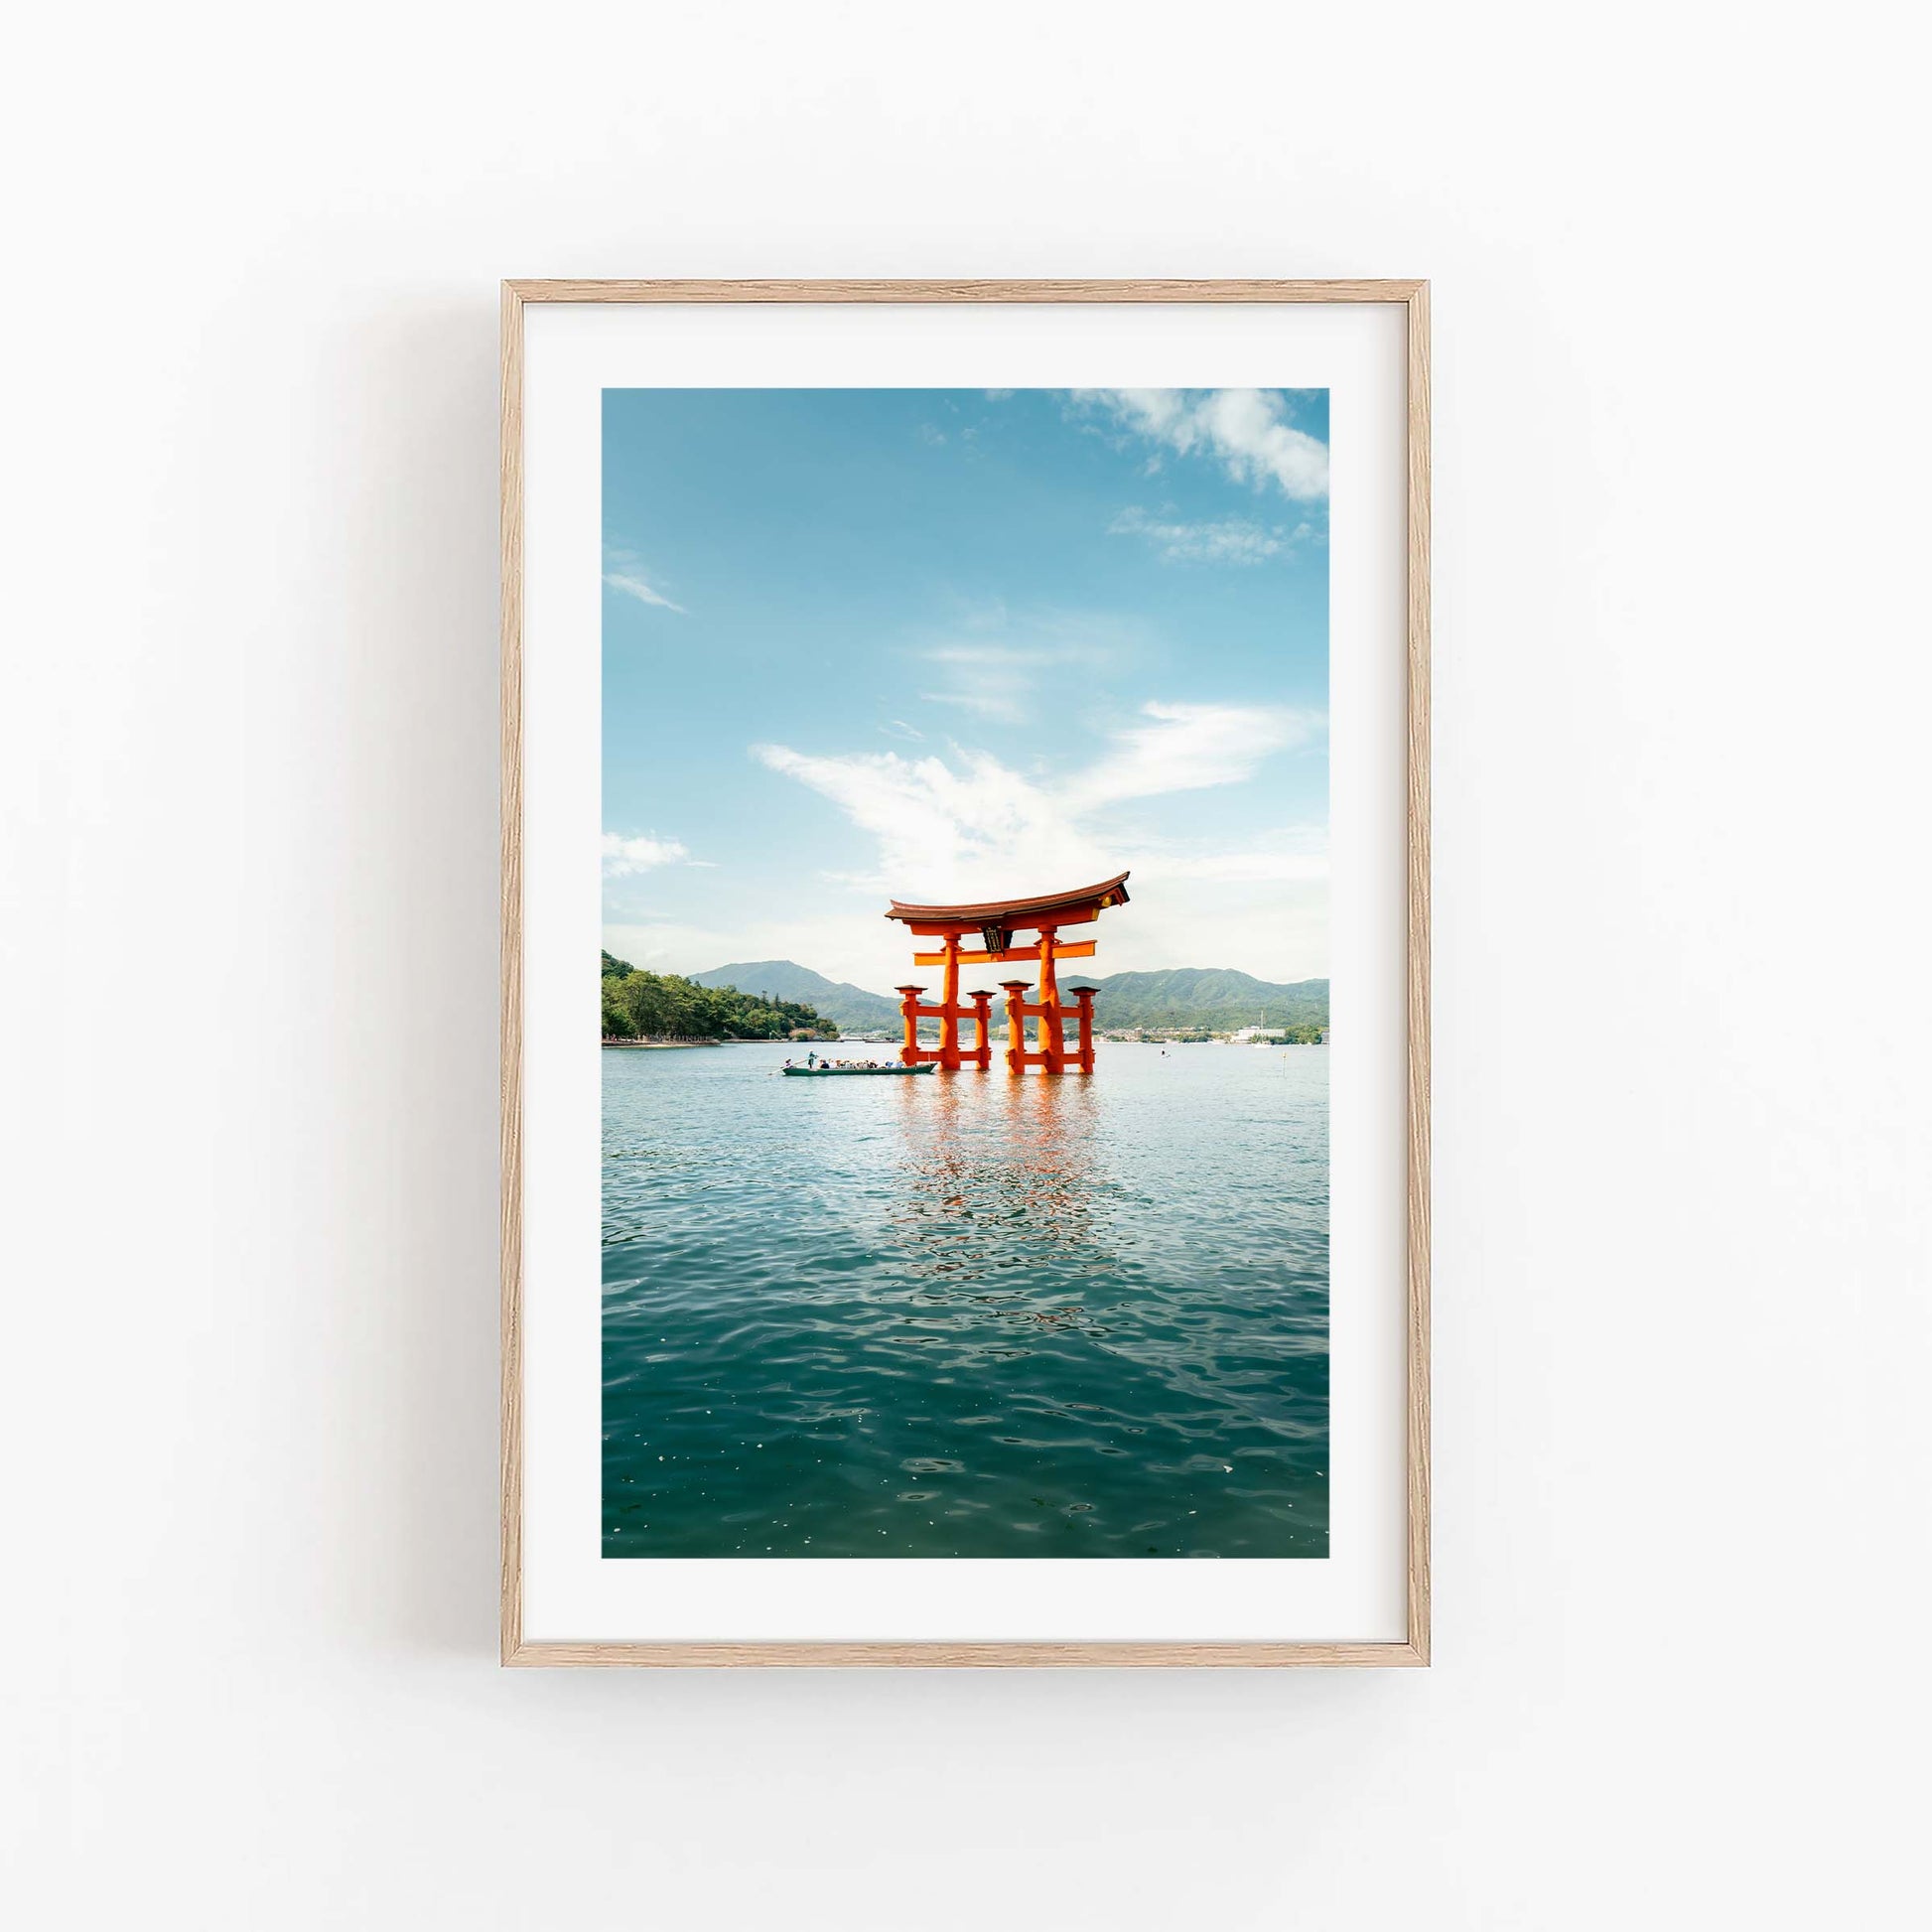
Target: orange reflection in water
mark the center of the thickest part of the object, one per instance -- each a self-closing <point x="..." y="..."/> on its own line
<point x="999" y="1179"/>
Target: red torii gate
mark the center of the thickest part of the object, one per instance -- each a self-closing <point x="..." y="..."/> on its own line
<point x="996" y="923"/>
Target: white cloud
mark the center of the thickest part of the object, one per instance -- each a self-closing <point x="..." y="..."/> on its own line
<point x="1259" y="903"/>
<point x="1275" y="929"/>
<point x="623" y="858"/>
<point x="635" y="586"/>
<point x="1230" y="540"/>
<point x="967" y="827"/>
<point x="1187" y="747"/>
<point x="1244" y="428"/>
<point x="942" y="827"/>
<point x="994" y="668"/>
<point x="989" y="680"/>
<point x="1294" y="853"/>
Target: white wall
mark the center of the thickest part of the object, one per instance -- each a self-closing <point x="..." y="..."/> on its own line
<point x="249" y="864"/>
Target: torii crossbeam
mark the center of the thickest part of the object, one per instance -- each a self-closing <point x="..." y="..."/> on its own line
<point x="997" y="925"/>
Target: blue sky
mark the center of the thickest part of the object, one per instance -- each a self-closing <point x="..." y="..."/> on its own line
<point x="940" y="644"/>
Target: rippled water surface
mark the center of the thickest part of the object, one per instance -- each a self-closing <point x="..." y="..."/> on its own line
<point x="967" y="1314"/>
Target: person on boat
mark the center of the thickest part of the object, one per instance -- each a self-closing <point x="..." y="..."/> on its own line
<point x="811" y="1058"/>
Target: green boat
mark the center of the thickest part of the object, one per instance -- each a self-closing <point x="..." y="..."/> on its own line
<point x="842" y="1073"/>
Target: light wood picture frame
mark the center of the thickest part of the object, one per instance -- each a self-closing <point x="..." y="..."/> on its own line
<point x="518" y="1649"/>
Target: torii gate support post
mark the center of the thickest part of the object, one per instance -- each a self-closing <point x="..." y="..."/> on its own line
<point x="949" y="1007"/>
<point x="981" y="1053"/>
<point x="949" y="1013"/>
<point x="1084" y="994"/>
<point x="1052" y="1039"/>
<point x="908" y="1006"/>
<point x="1016" y="992"/>
<point x="1048" y="1051"/>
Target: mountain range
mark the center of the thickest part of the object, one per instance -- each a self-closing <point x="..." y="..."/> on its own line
<point x="845" y="1005"/>
<point x="1214" y="999"/>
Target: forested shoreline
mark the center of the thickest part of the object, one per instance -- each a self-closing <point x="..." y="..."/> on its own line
<point x="656" y="1006"/>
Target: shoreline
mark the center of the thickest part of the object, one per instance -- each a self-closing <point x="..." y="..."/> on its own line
<point x="655" y="1046"/>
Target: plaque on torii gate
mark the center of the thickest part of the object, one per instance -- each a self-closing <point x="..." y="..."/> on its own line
<point x="997" y="925"/>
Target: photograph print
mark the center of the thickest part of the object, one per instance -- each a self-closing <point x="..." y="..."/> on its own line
<point x="965" y="1178"/>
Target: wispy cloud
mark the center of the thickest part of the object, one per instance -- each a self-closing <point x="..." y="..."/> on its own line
<point x="1246" y="429"/>
<point x="967" y="826"/>
<point x="635" y="586"/>
<point x="1287" y="855"/>
<point x="625" y="570"/>
<point x="1188" y="747"/>
<point x="937" y="821"/>
<point x="1228" y="540"/>
<point x="989" y="680"/>
<point x="946" y="827"/>
<point x="994" y="663"/>
<point x="624" y="857"/>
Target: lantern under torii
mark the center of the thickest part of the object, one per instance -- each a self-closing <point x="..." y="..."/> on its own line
<point x="997" y="926"/>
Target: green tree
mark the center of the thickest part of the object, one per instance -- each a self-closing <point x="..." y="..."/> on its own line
<point x="643" y="1005"/>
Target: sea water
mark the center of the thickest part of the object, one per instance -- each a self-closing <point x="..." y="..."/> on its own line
<point x="966" y="1314"/>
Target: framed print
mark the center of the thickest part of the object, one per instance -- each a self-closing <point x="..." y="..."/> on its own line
<point x="981" y="1216"/>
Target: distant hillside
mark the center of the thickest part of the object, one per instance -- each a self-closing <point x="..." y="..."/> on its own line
<point x="1214" y="998"/>
<point x="662" y="1006"/>
<point x="780" y="978"/>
